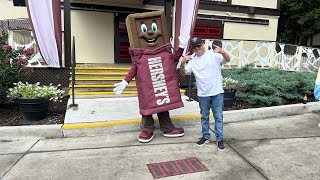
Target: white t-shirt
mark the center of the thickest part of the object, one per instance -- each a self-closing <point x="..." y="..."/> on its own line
<point x="207" y="70"/>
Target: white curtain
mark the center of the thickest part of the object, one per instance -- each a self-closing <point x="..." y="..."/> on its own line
<point x="188" y="17"/>
<point x="41" y="15"/>
<point x="185" y="18"/>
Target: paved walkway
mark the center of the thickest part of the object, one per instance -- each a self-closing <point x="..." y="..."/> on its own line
<point x="277" y="148"/>
<point x="124" y="108"/>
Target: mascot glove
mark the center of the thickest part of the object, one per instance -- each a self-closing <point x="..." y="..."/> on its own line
<point x="183" y="40"/>
<point x="119" y="87"/>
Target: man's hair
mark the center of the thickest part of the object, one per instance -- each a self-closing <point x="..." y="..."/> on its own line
<point x="195" y="42"/>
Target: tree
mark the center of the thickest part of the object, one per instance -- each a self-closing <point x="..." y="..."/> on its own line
<point x="299" y="21"/>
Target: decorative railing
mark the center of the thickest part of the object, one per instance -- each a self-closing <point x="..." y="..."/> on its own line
<point x="21" y="39"/>
<point x="269" y="54"/>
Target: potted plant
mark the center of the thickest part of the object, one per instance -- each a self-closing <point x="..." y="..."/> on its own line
<point x="33" y="99"/>
<point x="230" y="87"/>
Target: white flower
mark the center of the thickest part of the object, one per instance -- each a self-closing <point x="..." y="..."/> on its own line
<point x="229" y="84"/>
<point x="27" y="90"/>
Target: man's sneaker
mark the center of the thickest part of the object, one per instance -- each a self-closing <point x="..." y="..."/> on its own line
<point x="202" y="141"/>
<point x="176" y="132"/>
<point x="220" y="145"/>
<point x="145" y="136"/>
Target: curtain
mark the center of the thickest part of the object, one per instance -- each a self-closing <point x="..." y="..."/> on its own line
<point x="185" y="19"/>
<point x="45" y="20"/>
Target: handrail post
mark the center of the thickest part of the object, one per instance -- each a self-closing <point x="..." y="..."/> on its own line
<point x="190" y="82"/>
<point x="73" y="75"/>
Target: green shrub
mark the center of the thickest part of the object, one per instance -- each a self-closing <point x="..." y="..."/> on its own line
<point x="268" y="87"/>
<point x="12" y="67"/>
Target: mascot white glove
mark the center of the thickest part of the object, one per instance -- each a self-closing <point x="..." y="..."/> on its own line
<point x="119" y="87"/>
<point x="183" y="40"/>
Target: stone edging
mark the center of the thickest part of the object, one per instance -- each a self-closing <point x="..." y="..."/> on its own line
<point x="270" y="112"/>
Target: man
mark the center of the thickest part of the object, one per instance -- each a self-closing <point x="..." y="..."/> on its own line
<point x="206" y="66"/>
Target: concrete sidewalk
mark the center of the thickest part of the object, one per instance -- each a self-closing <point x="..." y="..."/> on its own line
<point x="277" y="148"/>
<point x="116" y="109"/>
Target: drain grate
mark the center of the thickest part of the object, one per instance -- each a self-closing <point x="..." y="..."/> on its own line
<point x="177" y="167"/>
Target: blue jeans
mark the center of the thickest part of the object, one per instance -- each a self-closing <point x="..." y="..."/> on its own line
<point x="216" y="105"/>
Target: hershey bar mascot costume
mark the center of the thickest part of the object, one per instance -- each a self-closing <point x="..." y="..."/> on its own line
<point x="154" y="67"/>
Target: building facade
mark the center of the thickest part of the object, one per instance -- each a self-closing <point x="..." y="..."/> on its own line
<point x="100" y="32"/>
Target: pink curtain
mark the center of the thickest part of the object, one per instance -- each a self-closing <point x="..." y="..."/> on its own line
<point x="45" y="18"/>
<point x="185" y="18"/>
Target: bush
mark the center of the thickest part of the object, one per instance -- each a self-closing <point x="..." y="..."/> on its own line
<point x="12" y="66"/>
<point x="268" y="87"/>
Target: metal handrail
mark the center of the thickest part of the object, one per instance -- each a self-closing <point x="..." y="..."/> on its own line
<point x="73" y="64"/>
<point x="190" y="82"/>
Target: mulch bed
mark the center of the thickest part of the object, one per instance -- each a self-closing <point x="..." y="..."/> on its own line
<point x="10" y="114"/>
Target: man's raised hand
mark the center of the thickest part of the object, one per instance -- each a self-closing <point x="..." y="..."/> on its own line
<point x="217" y="49"/>
<point x="185" y="58"/>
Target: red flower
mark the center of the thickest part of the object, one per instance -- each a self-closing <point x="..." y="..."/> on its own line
<point x="21" y="62"/>
<point x="28" y="51"/>
<point x="6" y="48"/>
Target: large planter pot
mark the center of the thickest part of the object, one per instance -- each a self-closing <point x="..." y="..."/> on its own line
<point x="228" y="98"/>
<point x="33" y="109"/>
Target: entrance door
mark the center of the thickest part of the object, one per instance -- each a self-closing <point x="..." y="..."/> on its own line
<point x="121" y="40"/>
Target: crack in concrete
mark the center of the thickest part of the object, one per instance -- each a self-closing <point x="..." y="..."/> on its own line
<point x="258" y="169"/>
<point x="23" y="154"/>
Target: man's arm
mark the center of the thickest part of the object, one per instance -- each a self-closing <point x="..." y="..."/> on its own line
<point x="185" y="59"/>
<point x="183" y="69"/>
<point x="225" y="56"/>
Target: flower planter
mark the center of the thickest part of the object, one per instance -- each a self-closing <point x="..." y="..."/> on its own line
<point x="33" y="109"/>
<point x="228" y="98"/>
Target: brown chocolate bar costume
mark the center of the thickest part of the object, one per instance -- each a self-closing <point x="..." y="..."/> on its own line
<point x="153" y="66"/>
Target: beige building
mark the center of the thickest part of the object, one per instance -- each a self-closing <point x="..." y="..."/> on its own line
<point x="100" y="32"/>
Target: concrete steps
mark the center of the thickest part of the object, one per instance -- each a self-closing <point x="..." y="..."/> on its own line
<point x="98" y="81"/>
<point x="101" y="80"/>
<point x="106" y="92"/>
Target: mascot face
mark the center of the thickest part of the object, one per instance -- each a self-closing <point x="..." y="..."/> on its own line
<point x="150" y="34"/>
<point x="147" y="30"/>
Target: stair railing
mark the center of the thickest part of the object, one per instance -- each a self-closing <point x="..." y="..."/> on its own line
<point x="73" y="74"/>
<point x="190" y="89"/>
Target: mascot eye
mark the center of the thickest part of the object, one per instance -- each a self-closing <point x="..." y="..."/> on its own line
<point x="144" y="28"/>
<point x="154" y="27"/>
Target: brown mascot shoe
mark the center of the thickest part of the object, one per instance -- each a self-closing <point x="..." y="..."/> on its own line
<point x="176" y="132"/>
<point x="145" y="136"/>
